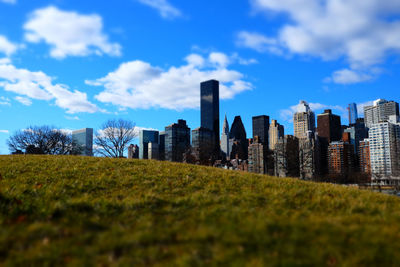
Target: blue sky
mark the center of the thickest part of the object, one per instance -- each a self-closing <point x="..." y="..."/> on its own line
<point x="75" y="64"/>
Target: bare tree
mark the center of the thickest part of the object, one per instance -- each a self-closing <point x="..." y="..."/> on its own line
<point x="113" y="137"/>
<point x="42" y="140"/>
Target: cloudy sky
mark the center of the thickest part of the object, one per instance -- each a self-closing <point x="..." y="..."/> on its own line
<point x="75" y="64"/>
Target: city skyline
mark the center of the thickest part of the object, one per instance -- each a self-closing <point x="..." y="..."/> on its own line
<point x="56" y="77"/>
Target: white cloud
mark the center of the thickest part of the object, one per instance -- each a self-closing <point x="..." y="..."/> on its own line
<point x="4" y="131"/>
<point x="69" y="33"/>
<point x="37" y="85"/>
<point x="72" y="118"/>
<point x="258" y="42"/>
<point x="219" y="59"/>
<point x="165" y="9"/>
<point x="361" y="106"/>
<point x="4" y="101"/>
<point x="138" y="84"/>
<point x="24" y="100"/>
<point x="7" y="47"/>
<point x="287" y="114"/>
<point x="362" y="32"/>
<point x="346" y="76"/>
<point x="9" y="1"/>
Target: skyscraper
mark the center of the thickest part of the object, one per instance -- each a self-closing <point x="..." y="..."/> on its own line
<point x="203" y="145"/>
<point x="276" y="131"/>
<point x="341" y="157"/>
<point x="146" y="137"/>
<point x="353" y="116"/>
<point x="177" y="141"/>
<point x="83" y="140"/>
<point x="225" y="144"/>
<point x="261" y="128"/>
<point x="329" y="129"/>
<point x="304" y="121"/>
<point x="329" y="126"/>
<point x="384" y="144"/>
<point x="258" y="155"/>
<point x="239" y="137"/>
<point x="209" y="108"/>
<point x="380" y="111"/>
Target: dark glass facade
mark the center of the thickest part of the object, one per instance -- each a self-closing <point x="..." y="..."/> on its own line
<point x="84" y="139"/>
<point x="209" y="108"/>
<point x="261" y="128"/>
<point x="238" y="134"/>
<point x="146" y="137"/>
<point x="177" y="141"/>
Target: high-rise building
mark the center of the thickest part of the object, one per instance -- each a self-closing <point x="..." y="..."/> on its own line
<point x="177" y="141"/>
<point x="380" y="111"/>
<point x="358" y="132"/>
<point x="308" y="158"/>
<point x="133" y="151"/>
<point x="161" y="146"/>
<point x="203" y="145"/>
<point x="153" y="151"/>
<point x="261" y="128"/>
<point x="238" y="139"/>
<point x="304" y="121"/>
<point x="364" y="156"/>
<point x="329" y="126"/>
<point x="258" y="155"/>
<point x="275" y="132"/>
<point x="384" y="144"/>
<point x="146" y="137"/>
<point x="226" y="146"/>
<point x="209" y="108"/>
<point x="83" y="140"/>
<point x="329" y="130"/>
<point x="341" y="157"/>
<point x="353" y="116"/>
<point x="286" y="157"/>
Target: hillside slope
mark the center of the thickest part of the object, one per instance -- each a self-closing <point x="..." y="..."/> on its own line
<point x="85" y="211"/>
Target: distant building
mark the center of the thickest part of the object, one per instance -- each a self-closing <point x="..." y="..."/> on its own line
<point x="329" y="126"/>
<point x="177" y="141"/>
<point x="275" y="132"/>
<point x="380" y="112"/>
<point x="226" y="145"/>
<point x="353" y="115"/>
<point x="238" y="139"/>
<point x="303" y="120"/>
<point x="309" y="155"/>
<point x="329" y="130"/>
<point x="358" y="132"/>
<point x="153" y="151"/>
<point x="384" y="143"/>
<point x="258" y="157"/>
<point x="286" y="157"/>
<point x="209" y="108"/>
<point x="161" y="146"/>
<point x="341" y="157"/>
<point x="133" y="152"/>
<point x="364" y="156"/>
<point x="261" y="128"/>
<point x="146" y="137"/>
<point x="83" y="141"/>
<point x="203" y="146"/>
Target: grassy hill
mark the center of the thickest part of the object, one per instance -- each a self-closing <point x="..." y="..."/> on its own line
<point x="95" y="211"/>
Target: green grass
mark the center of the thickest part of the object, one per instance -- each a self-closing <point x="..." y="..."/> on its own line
<point x="95" y="211"/>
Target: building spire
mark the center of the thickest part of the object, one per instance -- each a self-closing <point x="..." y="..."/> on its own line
<point x="225" y="127"/>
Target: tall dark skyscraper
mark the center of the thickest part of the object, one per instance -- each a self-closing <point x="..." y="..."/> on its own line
<point x="209" y="106"/>
<point x="261" y="128"/>
<point x="329" y="126"/>
<point x="177" y="141"/>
